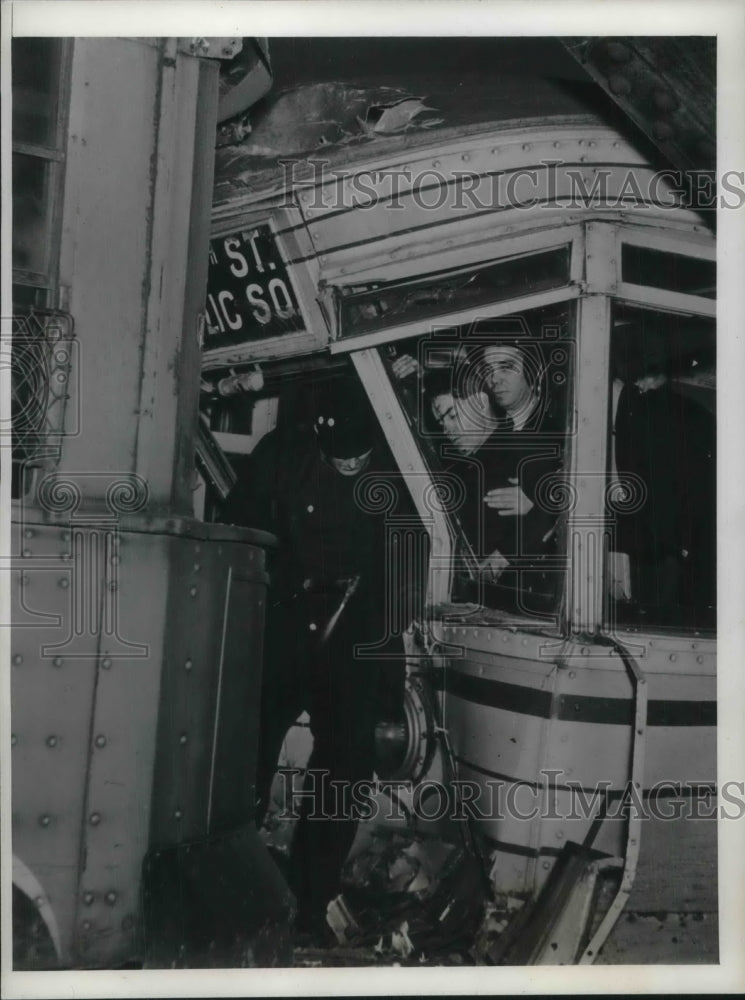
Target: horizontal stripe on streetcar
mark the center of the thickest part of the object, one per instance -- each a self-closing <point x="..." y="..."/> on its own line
<point x="688" y="791"/>
<point x="524" y="852"/>
<point x="571" y="708"/>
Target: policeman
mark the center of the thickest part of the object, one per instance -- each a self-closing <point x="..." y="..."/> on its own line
<point x="326" y="603"/>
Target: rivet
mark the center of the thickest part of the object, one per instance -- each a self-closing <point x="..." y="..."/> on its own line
<point x="26" y="553"/>
<point x="51" y="741"/>
<point x="673" y="657"/>
<point x="192" y="592"/>
<point x="106" y="663"/>
<point x="572" y="674"/>
<point x="64" y="583"/>
<point x="18" y="659"/>
<point x="60" y="357"/>
<point x="57" y="661"/>
<point x="481" y="671"/>
<point x="665" y="100"/>
<point x="591" y="144"/>
<point x="557" y="145"/>
<point x="495" y="151"/>
<point x="183" y="738"/>
<point x="13" y="739"/>
<point x="619" y="84"/>
<point x="559" y="834"/>
<point x="546" y="865"/>
<point x="113" y="585"/>
<point x="65" y="536"/>
<point x="525" y="642"/>
<point x="60" y="377"/>
<point x="312" y="626"/>
<point x="111" y="897"/>
<point x="88" y="898"/>
<point x="310" y="508"/>
<point x="435" y="163"/>
<point x="45" y="819"/>
<point x="188" y="665"/>
<point x="177" y="814"/>
<point x="87" y="925"/>
<point x="465" y="157"/>
<point x="618" y="52"/>
<point x="504" y="637"/>
<point x="526" y="146"/>
<point x="699" y="659"/>
<point x="488" y="635"/>
<point x="584" y="650"/>
<point x="100" y="740"/>
<point x="197" y="567"/>
<point x="115" y="560"/>
<point x="662" y="130"/>
<point x="28" y="533"/>
<point x="64" y="556"/>
<point x="94" y="819"/>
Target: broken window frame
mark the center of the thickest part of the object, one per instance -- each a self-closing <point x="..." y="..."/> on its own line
<point x="483" y="251"/>
<point x="399" y="291"/>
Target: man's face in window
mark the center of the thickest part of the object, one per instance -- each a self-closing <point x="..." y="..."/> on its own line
<point x="505" y="377"/>
<point x="459" y="418"/>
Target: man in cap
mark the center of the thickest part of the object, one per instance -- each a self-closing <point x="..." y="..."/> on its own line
<point x="327" y="596"/>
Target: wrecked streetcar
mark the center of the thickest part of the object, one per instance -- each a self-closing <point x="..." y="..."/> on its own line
<point x="558" y="734"/>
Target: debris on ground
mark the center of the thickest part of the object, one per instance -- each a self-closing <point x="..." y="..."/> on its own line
<point x="410" y="898"/>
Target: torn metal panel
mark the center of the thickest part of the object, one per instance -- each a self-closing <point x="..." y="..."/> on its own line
<point x="344" y="122"/>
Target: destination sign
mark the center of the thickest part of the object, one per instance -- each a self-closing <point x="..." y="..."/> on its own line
<point x="249" y="293"/>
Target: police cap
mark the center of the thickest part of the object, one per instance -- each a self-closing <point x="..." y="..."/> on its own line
<point x="343" y="420"/>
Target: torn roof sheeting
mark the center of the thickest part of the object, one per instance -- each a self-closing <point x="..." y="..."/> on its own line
<point x="341" y="121"/>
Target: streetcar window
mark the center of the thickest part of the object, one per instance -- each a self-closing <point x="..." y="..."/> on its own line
<point x="661" y="506"/>
<point x="490" y="404"/>
<point x="363" y="309"/>
<point x="674" y="272"/>
<point x="39" y="110"/>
